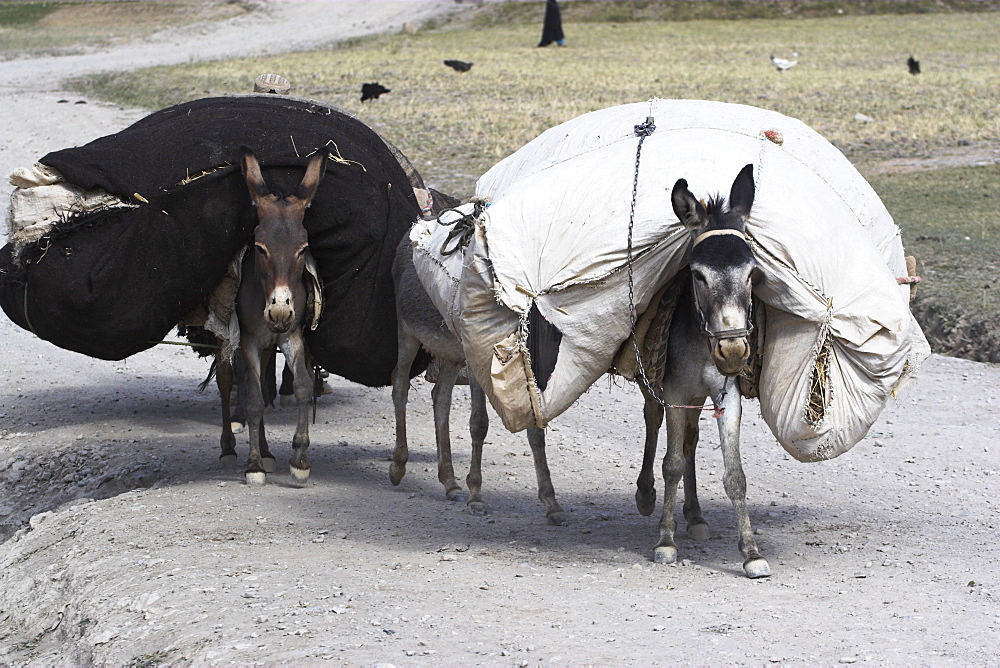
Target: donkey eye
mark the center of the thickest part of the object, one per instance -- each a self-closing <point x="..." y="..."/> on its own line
<point x="301" y="251"/>
<point x="260" y="249"/>
<point x="698" y="276"/>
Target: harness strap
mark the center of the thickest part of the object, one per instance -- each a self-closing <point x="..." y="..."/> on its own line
<point x="713" y="233"/>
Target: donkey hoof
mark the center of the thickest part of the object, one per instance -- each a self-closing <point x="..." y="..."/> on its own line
<point x="455" y="494"/>
<point x="645" y="502"/>
<point x="299" y="475"/>
<point x="237" y="426"/>
<point x="665" y="554"/>
<point x="558" y="518"/>
<point x="228" y="461"/>
<point x="256" y="478"/>
<point x="396" y="473"/>
<point x="477" y="508"/>
<point x="698" y="531"/>
<point x="267" y="463"/>
<point x="757" y="568"/>
<point x="286" y="399"/>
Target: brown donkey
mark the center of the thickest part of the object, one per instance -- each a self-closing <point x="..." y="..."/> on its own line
<point x="272" y="305"/>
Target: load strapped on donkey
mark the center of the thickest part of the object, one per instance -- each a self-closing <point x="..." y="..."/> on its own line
<point x="574" y="235"/>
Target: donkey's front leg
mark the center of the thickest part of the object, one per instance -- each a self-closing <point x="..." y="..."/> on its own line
<point x="294" y="349"/>
<point x="255" y="473"/>
<point x="735" y="483"/>
<point x="682" y="426"/>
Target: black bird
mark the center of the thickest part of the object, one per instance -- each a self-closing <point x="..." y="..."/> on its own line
<point x="458" y="65"/>
<point x="371" y="91"/>
<point x="914" y="65"/>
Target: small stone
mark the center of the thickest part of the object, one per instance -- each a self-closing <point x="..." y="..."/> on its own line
<point x="848" y="659"/>
<point x="862" y="118"/>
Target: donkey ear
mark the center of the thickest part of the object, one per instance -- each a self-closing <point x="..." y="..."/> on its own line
<point x="742" y="193"/>
<point x="689" y="210"/>
<point x="314" y="174"/>
<point x="252" y="175"/>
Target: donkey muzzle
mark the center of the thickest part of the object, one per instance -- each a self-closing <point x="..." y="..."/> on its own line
<point x="730" y="355"/>
<point x="279" y="313"/>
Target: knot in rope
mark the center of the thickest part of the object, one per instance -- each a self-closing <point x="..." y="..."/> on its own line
<point x="463" y="228"/>
<point x="645" y="128"/>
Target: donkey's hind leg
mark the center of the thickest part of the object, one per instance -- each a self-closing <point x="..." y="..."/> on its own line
<point x="479" y="424"/>
<point x="409" y="346"/>
<point x="546" y="492"/>
<point x="224" y="380"/>
<point x="697" y="527"/>
<point x="295" y="353"/>
<point x="441" y="397"/>
<point x="645" y="493"/>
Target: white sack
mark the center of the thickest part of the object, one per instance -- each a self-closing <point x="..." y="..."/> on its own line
<point x="555" y="234"/>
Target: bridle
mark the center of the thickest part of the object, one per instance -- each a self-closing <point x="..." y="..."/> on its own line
<point x="723" y="333"/>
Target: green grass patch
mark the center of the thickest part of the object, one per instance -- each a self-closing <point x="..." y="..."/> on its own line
<point x="950" y="220"/>
<point x="22" y="14"/>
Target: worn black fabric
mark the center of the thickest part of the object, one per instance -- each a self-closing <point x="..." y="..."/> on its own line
<point x="552" y="26"/>
<point x="113" y="283"/>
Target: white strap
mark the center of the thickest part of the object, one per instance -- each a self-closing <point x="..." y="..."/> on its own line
<point x="712" y="233"/>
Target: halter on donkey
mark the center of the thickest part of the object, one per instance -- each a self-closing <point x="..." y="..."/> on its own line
<point x="708" y="345"/>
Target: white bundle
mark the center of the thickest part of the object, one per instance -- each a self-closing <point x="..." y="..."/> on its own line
<point x="839" y="337"/>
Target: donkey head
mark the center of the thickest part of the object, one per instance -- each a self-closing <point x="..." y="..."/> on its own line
<point x="280" y="241"/>
<point x="722" y="266"/>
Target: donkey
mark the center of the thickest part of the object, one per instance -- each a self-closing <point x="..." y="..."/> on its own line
<point x="420" y="324"/>
<point x="708" y="345"/>
<point x="272" y="306"/>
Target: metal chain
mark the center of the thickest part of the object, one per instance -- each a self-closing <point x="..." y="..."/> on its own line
<point x="643" y="130"/>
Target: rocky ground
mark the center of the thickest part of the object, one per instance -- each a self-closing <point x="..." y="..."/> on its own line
<point x="141" y="550"/>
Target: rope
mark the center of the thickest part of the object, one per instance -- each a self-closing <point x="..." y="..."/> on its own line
<point x="463" y="228"/>
<point x="26" y="318"/>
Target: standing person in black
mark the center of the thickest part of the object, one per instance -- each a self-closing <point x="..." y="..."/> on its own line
<point x="552" y="28"/>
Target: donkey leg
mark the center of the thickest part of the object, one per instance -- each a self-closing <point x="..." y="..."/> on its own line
<point x="441" y="396"/>
<point x="224" y="380"/>
<point x="697" y="527"/>
<point x="735" y="483"/>
<point x="479" y="424"/>
<point x="294" y="349"/>
<point x="255" y="473"/>
<point x="546" y="492"/>
<point x="682" y="425"/>
<point x="238" y="421"/>
<point x="409" y="346"/>
<point x="645" y="493"/>
<point x="267" y="392"/>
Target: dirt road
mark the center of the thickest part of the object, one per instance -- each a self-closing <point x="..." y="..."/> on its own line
<point x="142" y="551"/>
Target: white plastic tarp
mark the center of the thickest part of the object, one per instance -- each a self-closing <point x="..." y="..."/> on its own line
<point x="556" y="235"/>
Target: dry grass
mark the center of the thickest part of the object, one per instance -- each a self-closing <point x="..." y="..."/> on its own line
<point x="455" y="126"/>
<point x="53" y="28"/>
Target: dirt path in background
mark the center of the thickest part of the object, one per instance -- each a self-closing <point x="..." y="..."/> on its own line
<point x="145" y="552"/>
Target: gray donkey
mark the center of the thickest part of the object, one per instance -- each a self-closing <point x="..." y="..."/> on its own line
<point x="707" y="347"/>
<point x="420" y="324"/>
